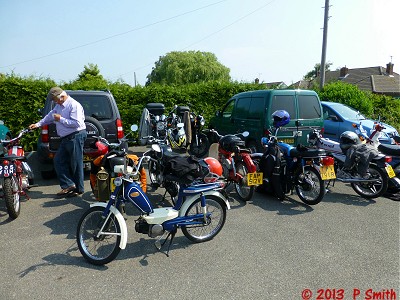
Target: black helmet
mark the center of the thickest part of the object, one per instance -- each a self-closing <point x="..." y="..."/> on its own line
<point x="281" y="118"/>
<point x="230" y="142"/>
<point x="348" y="139"/>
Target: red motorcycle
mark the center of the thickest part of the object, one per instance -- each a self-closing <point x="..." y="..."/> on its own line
<point x="238" y="167"/>
<point x="16" y="177"/>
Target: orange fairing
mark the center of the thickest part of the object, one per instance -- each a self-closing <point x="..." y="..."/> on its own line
<point x="97" y="161"/>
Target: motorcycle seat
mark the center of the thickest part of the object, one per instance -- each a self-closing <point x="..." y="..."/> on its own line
<point x="393" y="150"/>
<point x="307" y="153"/>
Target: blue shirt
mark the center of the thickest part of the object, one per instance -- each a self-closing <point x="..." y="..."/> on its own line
<point x="72" y="117"/>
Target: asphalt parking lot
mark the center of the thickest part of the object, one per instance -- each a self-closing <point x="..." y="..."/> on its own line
<point x="346" y="247"/>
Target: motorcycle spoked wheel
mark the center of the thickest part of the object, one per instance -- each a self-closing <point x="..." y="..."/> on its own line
<point x="12" y="197"/>
<point x="372" y="189"/>
<point x="199" y="148"/>
<point x="153" y="174"/>
<point x="244" y="191"/>
<point x="309" y="186"/>
<point x="103" y="249"/>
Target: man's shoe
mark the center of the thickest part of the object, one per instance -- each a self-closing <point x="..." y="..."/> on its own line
<point x="74" y="193"/>
<point x="66" y="191"/>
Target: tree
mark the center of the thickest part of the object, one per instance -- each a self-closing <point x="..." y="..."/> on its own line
<point x="177" y="68"/>
<point x="314" y="73"/>
<point x="90" y="71"/>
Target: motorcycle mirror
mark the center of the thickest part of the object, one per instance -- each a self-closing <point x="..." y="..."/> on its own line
<point x="134" y="127"/>
<point x="156" y="148"/>
<point x="245" y="133"/>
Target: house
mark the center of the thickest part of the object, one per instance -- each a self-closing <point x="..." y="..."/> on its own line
<point x="378" y="80"/>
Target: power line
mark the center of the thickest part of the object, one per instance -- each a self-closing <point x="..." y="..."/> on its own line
<point x="115" y="35"/>
<point x="208" y="36"/>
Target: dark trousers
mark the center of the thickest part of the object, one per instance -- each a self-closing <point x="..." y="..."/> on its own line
<point x="68" y="161"/>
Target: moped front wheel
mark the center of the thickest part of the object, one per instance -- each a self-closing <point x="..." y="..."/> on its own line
<point x="11" y="196"/>
<point x="244" y="191"/>
<point x="309" y="186"/>
<point x="98" y="249"/>
<point x="212" y="225"/>
<point x="374" y="188"/>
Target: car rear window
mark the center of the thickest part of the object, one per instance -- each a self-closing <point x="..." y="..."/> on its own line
<point x="309" y="107"/>
<point x="95" y="106"/>
<point x="285" y="102"/>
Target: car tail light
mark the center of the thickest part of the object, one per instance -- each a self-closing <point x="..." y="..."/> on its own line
<point x="388" y="159"/>
<point x="45" y="133"/>
<point x="120" y="130"/>
<point x="328" y="161"/>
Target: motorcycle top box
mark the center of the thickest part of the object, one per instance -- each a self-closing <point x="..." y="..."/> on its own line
<point x="155" y="108"/>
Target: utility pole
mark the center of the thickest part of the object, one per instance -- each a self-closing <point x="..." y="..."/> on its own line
<point x="324" y="41"/>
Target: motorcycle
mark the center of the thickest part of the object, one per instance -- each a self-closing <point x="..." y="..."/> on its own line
<point x="107" y="163"/>
<point x="378" y="169"/>
<point x="199" y="144"/>
<point x="238" y="167"/>
<point x="158" y="167"/>
<point x="392" y="150"/>
<point x="16" y="176"/>
<point x="286" y="167"/>
<point x="158" y="119"/>
<point x="179" y="129"/>
<point x="200" y="212"/>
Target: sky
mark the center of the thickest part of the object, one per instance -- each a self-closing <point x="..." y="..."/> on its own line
<point x="273" y="40"/>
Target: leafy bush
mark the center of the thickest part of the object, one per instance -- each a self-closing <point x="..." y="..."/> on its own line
<point x="21" y="98"/>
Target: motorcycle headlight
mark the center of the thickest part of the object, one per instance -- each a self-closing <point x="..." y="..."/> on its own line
<point x="160" y="126"/>
<point x="118" y="181"/>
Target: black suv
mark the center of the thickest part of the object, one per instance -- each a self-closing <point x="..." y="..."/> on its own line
<point x="102" y="118"/>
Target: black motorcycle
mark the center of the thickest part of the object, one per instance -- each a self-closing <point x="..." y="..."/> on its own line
<point x="199" y="141"/>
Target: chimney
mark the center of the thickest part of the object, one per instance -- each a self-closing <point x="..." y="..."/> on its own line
<point x="389" y="68"/>
<point x="344" y="71"/>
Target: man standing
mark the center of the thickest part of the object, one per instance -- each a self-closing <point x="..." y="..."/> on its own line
<point x="69" y="117"/>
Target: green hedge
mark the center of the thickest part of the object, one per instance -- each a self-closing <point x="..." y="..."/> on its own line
<point x="21" y="98"/>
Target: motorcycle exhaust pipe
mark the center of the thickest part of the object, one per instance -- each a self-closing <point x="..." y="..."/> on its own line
<point x="350" y="180"/>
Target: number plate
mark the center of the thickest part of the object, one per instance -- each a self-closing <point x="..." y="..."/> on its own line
<point x="254" y="178"/>
<point x="7" y="170"/>
<point x="287" y="141"/>
<point x="327" y="172"/>
<point x="390" y="171"/>
<point x="87" y="158"/>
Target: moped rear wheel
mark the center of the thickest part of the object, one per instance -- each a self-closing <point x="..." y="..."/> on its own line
<point x="216" y="210"/>
<point x="102" y="249"/>
<point x="11" y="196"/>
<point x="373" y="189"/>
<point x="244" y="191"/>
<point x="309" y="186"/>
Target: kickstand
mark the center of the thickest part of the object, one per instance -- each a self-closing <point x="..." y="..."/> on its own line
<point x="159" y="245"/>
